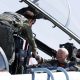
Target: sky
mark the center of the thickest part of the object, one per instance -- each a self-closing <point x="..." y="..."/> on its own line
<point x="44" y="29"/>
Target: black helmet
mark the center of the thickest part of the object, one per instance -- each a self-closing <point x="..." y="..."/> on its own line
<point x="37" y="14"/>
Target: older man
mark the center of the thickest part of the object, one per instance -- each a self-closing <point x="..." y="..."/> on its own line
<point x="62" y="55"/>
<point x="61" y="61"/>
<point x="61" y="58"/>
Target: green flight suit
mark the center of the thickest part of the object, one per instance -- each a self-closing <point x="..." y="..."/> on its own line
<point x="20" y="25"/>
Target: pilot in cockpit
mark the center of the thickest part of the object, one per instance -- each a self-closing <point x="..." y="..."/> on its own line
<point x="61" y="60"/>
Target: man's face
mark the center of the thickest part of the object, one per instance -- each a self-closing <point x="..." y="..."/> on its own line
<point x="31" y="22"/>
<point x="61" y="56"/>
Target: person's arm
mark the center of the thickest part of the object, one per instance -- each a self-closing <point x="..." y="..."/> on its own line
<point x="26" y="32"/>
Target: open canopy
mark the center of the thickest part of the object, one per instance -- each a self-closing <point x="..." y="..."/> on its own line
<point x="58" y="9"/>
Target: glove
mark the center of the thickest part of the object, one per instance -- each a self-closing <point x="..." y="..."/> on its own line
<point x="37" y="57"/>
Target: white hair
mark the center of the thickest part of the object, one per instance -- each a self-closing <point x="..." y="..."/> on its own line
<point x="64" y="50"/>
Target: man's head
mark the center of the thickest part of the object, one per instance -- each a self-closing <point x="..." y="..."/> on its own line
<point x="62" y="55"/>
<point x="29" y="13"/>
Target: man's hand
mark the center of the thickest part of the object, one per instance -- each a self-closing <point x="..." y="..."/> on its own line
<point x="37" y="57"/>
